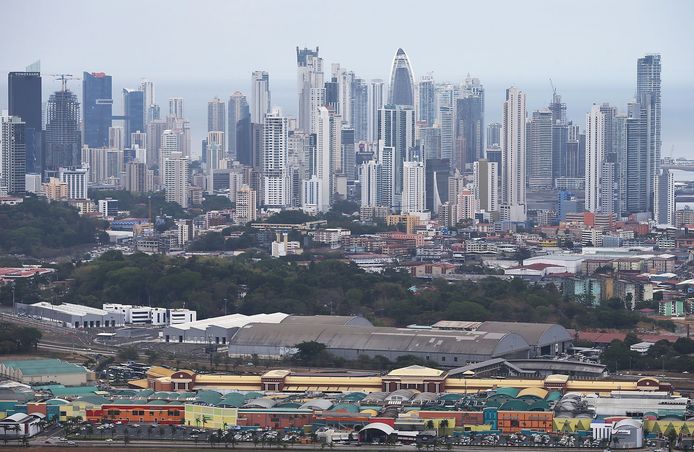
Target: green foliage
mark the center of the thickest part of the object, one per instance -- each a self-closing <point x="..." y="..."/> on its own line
<point x="665" y="355"/>
<point x="138" y="204"/>
<point x="18" y="339"/>
<point x="215" y="241"/>
<point x="214" y="202"/>
<point x="291" y="217"/>
<point x="38" y="228"/>
<point x="127" y="353"/>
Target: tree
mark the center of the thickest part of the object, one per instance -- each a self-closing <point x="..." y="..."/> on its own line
<point x="129" y="353"/>
<point x="443" y="427"/>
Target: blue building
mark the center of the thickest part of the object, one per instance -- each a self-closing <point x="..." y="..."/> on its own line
<point x="97" y="104"/>
<point x="24" y="99"/>
<point x="133" y="112"/>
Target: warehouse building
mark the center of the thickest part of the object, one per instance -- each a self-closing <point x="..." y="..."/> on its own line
<point x="147" y="315"/>
<point x="30" y="371"/>
<point x="73" y="315"/>
<point x="442" y="348"/>
<point x="218" y="330"/>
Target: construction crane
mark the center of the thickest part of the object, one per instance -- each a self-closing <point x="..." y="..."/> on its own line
<point x="64" y="78"/>
<point x="554" y="90"/>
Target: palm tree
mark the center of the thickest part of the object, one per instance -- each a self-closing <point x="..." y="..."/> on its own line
<point x="443" y="426"/>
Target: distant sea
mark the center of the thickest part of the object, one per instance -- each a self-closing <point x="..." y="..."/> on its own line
<point x="678" y="102"/>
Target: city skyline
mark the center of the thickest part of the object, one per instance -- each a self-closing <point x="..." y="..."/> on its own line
<point x="584" y="74"/>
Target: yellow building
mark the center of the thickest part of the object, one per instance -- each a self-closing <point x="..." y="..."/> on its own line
<point x="210" y="417"/>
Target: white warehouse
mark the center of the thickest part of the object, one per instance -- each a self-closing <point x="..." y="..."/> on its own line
<point x="146" y="315"/>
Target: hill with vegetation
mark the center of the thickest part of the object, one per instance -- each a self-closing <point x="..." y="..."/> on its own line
<point x="254" y="284"/>
<point x="41" y="229"/>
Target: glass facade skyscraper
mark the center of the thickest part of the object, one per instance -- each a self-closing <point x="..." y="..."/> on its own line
<point x="63" y="137"/>
<point x="133" y="110"/>
<point x="97" y="104"/>
<point x="24" y="98"/>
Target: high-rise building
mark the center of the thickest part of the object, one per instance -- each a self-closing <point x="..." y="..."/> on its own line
<point x="349" y="153"/>
<point x="360" y="109"/>
<point x="24" y="101"/>
<point x="12" y="155"/>
<point x="486" y="185"/>
<point x="648" y="95"/>
<point x="276" y="184"/>
<point x="494" y="134"/>
<point x="97" y="105"/>
<point x="375" y="104"/>
<point x="77" y="182"/>
<point x="260" y="96"/>
<point x="104" y="165"/>
<point x="665" y="205"/>
<point x="426" y="101"/>
<point x="176" y="107"/>
<point x="401" y="88"/>
<point x="446" y="124"/>
<point x="595" y="156"/>
<point x="63" y="137"/>
<point x="437" y="172"/>
<point x="539" y="150"/>
<point x="413" y="187"/>
<point x="368" y="180"/>
<point x="237" y="110"/>
<point x="324" y="160"/>
<point x="310" y="86"/>
<point x="513" y="158"/>
<point x="176" y="175"/>
<point x="216" y="115"/>
<point x="246" y="204"/>
<point x="170" y="142"/>
<point x="430" y="143"/>
<point x="155" y="129"/>
<point x="151" y="109"/>
<point x="470" y="123"/>
<point x="396" y="130"/>
<point x="133" y="111"/>
<point x="115" y="138"/>
<point x="136" y="177"/>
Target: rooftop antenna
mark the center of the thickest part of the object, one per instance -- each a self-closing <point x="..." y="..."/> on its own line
<point x="64" y="78"/>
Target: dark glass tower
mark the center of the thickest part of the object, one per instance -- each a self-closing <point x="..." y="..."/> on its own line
<point x="63" y="137"/>
<point x="133" y="110"/>
<point x="97" y="103"/>
<point x="401" y="90"/>
<point x="24" y="96"/>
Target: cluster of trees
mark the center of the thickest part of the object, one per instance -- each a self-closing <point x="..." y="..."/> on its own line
<point x="216" y="241"/>
<point x="42" y="229"/>
<point x="253" y="284"/>
<point x="18" y="339"/>
<point x="663" y="355"/>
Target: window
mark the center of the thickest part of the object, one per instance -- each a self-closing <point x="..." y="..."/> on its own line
<point x="455" y="358"/>
<point x="443" y="358"/>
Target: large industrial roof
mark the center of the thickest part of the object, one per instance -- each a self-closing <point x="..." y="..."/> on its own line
<point x="69" y="308"/>
<point x="232" y="321"/>
<point x="379" y="338"/>
<point x="327" y="320"/>
<point x="30" y="367"/>
<point x="536" y="334"/>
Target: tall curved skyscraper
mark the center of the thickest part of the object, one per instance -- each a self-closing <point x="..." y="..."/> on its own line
<point x="401" y="89"/>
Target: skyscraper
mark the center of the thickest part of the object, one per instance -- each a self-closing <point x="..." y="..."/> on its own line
<point x="426" y="101"/>
<point x="648" y="95"/>
<point x="260" y="96"/>
<point x="437" y="172"/>
<point x="97" y="104"/>
<point x="216" y="115"/>
<point x="360" y="109"/>
<point x="151" y="109"/>
<point x="595" y="156"/>
<point x="375" y="104"/>
<point x="413" y="187"/>
<point x="176" y="175"/>
<point x="24" y="101"/>
<point x="396" y="129"/>
<point x="539" y="150"/>
<point x="513" y="155"/>
<point x="63" y="137"/>
<point x="12" y="155"/>
<point x="368" y="181"/>
<point x="176" y="107"/>
<point x="470" y="123"/>
<point x="327" y="155"/>
<point x="401" y="88"/>
<point x="133" y="111"/>
<point x="236" y="111"/>
<point x="309" y="78"/>
<point x="276" y="186"/>
<point x="486" y="185"/>
<point x="494" y="134"/>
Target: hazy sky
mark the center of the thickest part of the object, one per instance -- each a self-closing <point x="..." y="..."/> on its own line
<point x="581" y="45"/>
